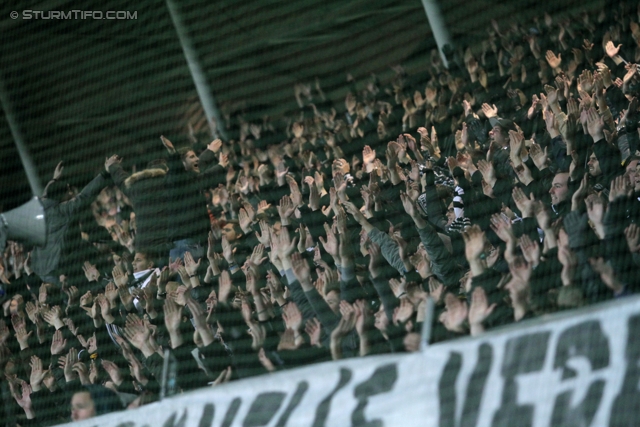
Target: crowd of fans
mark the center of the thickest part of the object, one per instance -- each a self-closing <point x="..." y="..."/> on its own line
<point x="509" y="190"/>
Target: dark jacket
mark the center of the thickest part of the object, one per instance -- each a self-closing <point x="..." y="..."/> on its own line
<point x="187" y="207"/>
<point x="145" y="190"/>
<point x="46" y="259"/>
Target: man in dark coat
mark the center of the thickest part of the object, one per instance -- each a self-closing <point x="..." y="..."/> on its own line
<point x="60" y="207"/>
<point x="146" y="191"/>
<point x="188" y="221"/>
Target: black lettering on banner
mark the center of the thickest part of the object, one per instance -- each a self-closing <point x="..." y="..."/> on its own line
<point x="473" y="395"/>
<point x="578" y="344"/>
<point x="208" y="413"/>
<point x="293" y="403"/>
<point x="625" y="411"/>
<point x="381" y="381"/>
<point x="263" y="408"/>
<point x="231" y="412"/>
<point x="171" y="421"/>
<point x="447" y="390"/>
<point x="126" y="424"/>
<point x="522" y="355"/>
<point x="323" y="408"/>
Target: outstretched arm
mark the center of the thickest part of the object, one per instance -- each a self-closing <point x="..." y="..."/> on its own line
<point x="86" y="196"/>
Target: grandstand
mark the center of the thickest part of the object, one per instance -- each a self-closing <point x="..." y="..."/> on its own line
<point x="320" y="213"/>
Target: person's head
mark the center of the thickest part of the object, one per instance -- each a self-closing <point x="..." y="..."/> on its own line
<point x="158" y="164"/>
<point x="332" y="299"/>
<point x="633" y="172"/>
<point x="451" y="213"/>
<point x="58" y="191"/>
<point x="340" y="166"/>
<point x="232" y="231"/>
<point x="94" y="400"/>
<point x="142" y="261"/>
<point x="593" y="165"/>
<point x="82" y="407"/>
<point x="381" y="321"/>
<point x="570" y="297"/>
<point x="16" y="305"/>
<point x="189" y="160"/>
<point x="559" y="190"/>
<point x="500" y="132"/>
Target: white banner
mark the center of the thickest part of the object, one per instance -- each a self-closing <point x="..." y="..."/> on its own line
<point x="579" y="369"/>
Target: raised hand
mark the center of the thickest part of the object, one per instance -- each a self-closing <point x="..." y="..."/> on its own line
<point x="403" y="312"/>
<point x="632" y="235"/>
<point x="83" y="373"/>
<point x="347" y="321"/>
<point x="479" y="309"/>
<point x="530" y="250"/>
<point x="489" y="110"/>
<point x="295" y="194"/>
<point x="67" y="363"/>
<point x="22" y="336"/>
<point x="125" y="297"/>
<point x="262" y="207"/>
<point x="620" y="188"/>
<point x="538" y="156"/>
<point x="612" y="50"/>
<point x="168" y="145"/>
<point x="37" y="373"/>
<point x="215" y="145"/>
<point x="300" y="268"/>
<point x="368" y="156"/>
<point x="265" y="233"/>
<point x="286" y="246"/>
<point x="399" y="287"/>
<point x="111" y="294"/>
<point x="523" y="203"/>
<point x="340" y="186"/>
<point x="595" y="124"/>
<point x="314" y="194"/>
<point x="408" y="204"/>
<point x="226" y="286"/>
<point x="488" y="172"/>
<point x="607" y="274"/>
<point x="90" y="271"/>
<point x="113" y="371"/>
<point x="516" y="142"/>
<point x="109" y="161"/>
<point x="57" y="173"/>
<point x="32" y="312"/>
<point x="53" y="316"/>
<point x="474" y="242"/>
<point x="553" y="60"/>
<point x="190" y="265"/>
<point x="24" y="400"/>
<point x="292" y="317"/>
<point x="330" y="245"/>
<point x="120" y="277"/>
<point x="286" y="209"/>
<point x="275" y="288"/>
<point x="139" y="335"/>
<point x="313" y="328"/>
<point x="595" y="212"/>
<point x="227" y="251"/>
<point x="392" y="153"/>
<point x="456" y="313"/>
<point x="244" y="220"/>
<point x="256" y="258"/>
